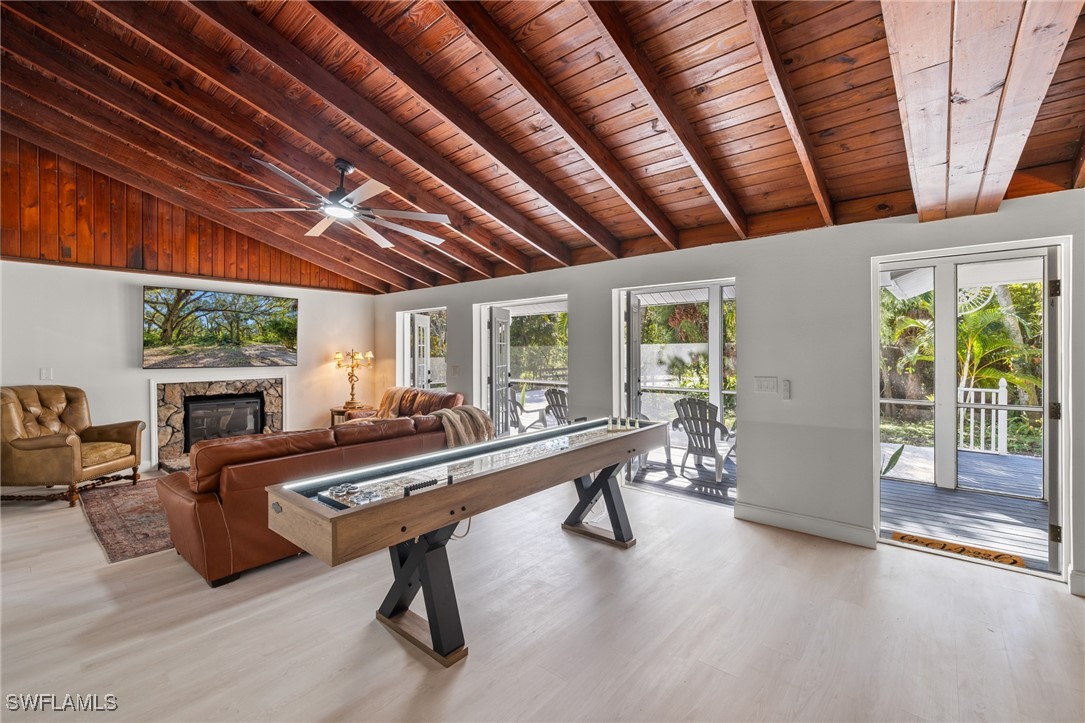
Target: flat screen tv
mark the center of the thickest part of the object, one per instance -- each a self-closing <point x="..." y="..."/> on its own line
<point x="186" y="328"/>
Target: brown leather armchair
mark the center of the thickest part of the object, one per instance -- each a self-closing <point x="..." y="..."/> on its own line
<point x="46" y="439"/>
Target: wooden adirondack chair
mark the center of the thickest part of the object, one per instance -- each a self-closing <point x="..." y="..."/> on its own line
<point x="558" y="404"/>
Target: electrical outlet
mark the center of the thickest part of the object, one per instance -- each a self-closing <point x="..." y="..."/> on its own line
<point x="765" y="385"/>
<point x="455" y="370"/>
<point x="45" y="373"/>
<point x="785" y="389"/>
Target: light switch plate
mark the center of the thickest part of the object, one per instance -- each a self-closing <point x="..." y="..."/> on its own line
<point x="765" y="385"/>
<point x="785" y="389"/>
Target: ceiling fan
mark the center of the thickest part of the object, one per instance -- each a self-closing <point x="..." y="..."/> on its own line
<point x="342" y="206"/>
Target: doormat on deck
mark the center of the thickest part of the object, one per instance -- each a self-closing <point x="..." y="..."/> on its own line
<point x="127" y="519"/>
<point x="955" y="547"/>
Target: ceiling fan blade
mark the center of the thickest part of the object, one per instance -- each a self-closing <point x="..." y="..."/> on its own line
<point x="421" y="235"/>
<point x="277" y="210"/>
<point x="250" y="188"/>
<point x="372" y="233"/>
<point x="413" y="215"/>
<point x="367" y="190"/>
<point x="321" y="226"/>
<point x="275" y="169"/>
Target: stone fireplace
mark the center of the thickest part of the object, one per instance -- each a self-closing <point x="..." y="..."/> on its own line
<point x="222" y="408"/>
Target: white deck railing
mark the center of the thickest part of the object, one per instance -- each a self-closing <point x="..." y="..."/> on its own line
<point x="984" y="430"/>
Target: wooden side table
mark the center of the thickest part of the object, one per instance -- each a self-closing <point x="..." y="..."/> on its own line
<point x="339" y="414"/>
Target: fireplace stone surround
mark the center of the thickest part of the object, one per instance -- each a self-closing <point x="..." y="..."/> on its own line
<point x="171" y="411"/>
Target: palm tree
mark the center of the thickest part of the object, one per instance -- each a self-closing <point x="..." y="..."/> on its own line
<point x="987" y="352"/>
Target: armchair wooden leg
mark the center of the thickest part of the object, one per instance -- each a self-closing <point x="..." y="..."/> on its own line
<point x="73" y="494"/>
<point x="135" y="476"/>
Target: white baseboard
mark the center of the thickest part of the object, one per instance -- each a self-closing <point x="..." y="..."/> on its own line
<point x="1077" y="582"/>
<point x="852" y="534"/>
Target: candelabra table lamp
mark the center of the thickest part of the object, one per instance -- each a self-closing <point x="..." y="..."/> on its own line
<point x="350" y="362"/>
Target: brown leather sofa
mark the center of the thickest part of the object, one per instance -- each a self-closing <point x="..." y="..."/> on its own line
<point x="217" y="511"/>
<point x="47" y="439"/>
<point x="414" y="401"/>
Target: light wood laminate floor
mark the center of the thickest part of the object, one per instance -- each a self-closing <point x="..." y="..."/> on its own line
<point x="706" y="618"/>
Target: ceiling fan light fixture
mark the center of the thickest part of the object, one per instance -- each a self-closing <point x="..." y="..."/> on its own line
<point x="337" y="211"/>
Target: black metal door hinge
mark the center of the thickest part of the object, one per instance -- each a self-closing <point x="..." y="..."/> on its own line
<point x="1056" y="287"/>
<point x="1054" y="533"/>
<point x="1056" y="410"/>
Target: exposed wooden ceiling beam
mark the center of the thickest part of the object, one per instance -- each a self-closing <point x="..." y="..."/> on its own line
<point x="43" y="126"/>
<point x="254" y="33"/>
<point x="970" y="80"/>
<point x="52" y="109"/>
<point x="1045" y="29"/>
<point x="370" y="39"/>
<point x="789" y="108"/>
<point x="519" y="69"/>
<point x="920" y="35"/>
<point x="608" y="21"/>
<point x="1077" y="173"/>
<point x="983" y="38"/>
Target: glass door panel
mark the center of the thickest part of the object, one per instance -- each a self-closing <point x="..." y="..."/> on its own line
<point x="1000" y="376"/>
<point x="500" y="319"/>
<point x="907" y="331"/>
<point x="729" y="358"/>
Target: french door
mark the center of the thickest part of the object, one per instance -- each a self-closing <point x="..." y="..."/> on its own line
<point x="680" y="342"/>
<point x="969" y="396"/>
<point x="500" y="321"/>
<point x="420" y="348"/>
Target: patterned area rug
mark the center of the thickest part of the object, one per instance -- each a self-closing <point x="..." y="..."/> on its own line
<point x="127" y="520"/>
<point x="956" y="547"/>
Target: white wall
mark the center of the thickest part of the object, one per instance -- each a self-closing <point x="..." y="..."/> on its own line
<point x="808" y="463"/>
<point x="87" y="325"/>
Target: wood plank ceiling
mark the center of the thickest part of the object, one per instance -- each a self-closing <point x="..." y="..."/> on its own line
<point x="555" y="132"/>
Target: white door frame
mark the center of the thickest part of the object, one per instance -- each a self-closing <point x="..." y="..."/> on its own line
<point x="482" y="392"/>
<point x="1057" y="322"/>
<point x="625" y="388"/>
<point x="404" y="349"/>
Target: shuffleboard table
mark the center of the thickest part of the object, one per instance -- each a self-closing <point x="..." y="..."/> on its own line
<point x="412" y="507"/>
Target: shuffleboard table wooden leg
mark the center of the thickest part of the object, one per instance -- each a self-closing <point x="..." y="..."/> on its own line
<point x="605" y="485"/>
<point x="422" y="564"/>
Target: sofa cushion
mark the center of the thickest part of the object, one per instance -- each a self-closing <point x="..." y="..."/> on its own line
<point x="211" y="455"/>
<point x="100" y="452"/>
<point x="360" y="431"/>
<point x="427" y="423"/>
<point x="426" y="401"/>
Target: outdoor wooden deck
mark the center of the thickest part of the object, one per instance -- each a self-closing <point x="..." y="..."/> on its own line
<point x="973" y="517"/>
<point x="993" y="522"/>
<point x="1012" y="474"/>
<point x="699" y="482"/>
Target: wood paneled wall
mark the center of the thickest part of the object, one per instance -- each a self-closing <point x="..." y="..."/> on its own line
<point x="53" y="210"/>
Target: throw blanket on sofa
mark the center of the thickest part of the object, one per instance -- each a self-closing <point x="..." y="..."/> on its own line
<point x="465" y="425"/>
<point x="389" y="407"/>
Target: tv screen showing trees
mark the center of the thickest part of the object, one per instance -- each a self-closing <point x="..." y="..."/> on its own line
<point x="185" y="328"/>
